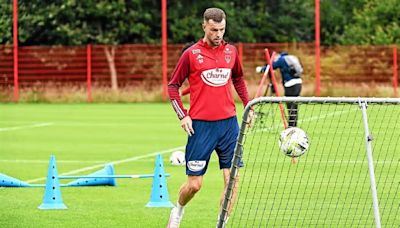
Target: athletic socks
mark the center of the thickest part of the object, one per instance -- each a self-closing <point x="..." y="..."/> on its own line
<point x="180" y="208"/>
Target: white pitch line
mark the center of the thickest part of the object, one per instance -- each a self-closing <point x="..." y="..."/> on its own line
<point x="309" y="119"/>
<point x="25" y="127"/>
<point x="47" y="161"/>
<point x="112" y="162"/>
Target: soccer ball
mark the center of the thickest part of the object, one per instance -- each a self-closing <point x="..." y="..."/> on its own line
<point x="177" y="158"/>
<point x="293" y="142"/>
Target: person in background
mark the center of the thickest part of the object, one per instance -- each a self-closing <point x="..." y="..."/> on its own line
<point x="291" y="71"/>
<point x="211" y="66"/>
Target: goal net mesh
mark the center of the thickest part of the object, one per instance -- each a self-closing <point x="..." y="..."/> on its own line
<point x="329" y="186"/>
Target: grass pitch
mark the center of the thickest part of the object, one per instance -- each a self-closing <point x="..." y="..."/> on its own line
<point x="84" y="137"/>
<point x="89" y="135"/>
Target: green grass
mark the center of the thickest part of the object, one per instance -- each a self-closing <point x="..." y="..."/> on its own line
<point x="83" y="135"/>
<point x="322" y="190"/>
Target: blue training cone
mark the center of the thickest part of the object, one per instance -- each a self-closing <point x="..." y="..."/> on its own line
<point x="7" y="181"/>
<point x="159" y="190"/>
<point x="52" y="196"/>
<point x="107" y="170"/>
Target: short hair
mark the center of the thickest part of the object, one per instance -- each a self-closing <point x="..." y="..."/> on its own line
<point x="215" y="14"/>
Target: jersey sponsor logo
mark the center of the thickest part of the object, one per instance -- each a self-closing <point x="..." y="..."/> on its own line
<point x="196" y="165"/>
<point x="216" y="77"/>
<point x="195" y="51"/>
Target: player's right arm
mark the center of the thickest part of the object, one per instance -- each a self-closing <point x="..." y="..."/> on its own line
<point x="179" y="75"/>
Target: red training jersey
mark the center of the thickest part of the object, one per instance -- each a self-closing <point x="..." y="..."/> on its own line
<point x="211" y="73"/>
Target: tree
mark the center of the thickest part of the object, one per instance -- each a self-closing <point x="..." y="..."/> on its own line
<point x="72" y="22"/>
<point x="6" y="22"/>
<point x="292" y="20"/>
<point x="375" y="23"/>
<point x="335" y="15"/>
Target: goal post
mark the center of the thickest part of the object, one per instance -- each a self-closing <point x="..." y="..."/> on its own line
<point x="349" y="177"/>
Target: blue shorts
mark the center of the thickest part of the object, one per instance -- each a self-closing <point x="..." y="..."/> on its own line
<point x="220" y="135"/>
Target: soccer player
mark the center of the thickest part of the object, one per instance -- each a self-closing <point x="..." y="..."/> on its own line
<point x="211" y="65"/>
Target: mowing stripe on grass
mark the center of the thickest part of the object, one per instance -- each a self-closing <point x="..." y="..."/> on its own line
<point x="112" y="162"/>
<point x="25" y="127"/>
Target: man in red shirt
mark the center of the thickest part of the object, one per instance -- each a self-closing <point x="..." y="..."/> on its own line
<point x="211" y="65"/>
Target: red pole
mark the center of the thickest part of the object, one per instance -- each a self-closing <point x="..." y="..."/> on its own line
<point x="15" y="49"/>
<point x="395" y="74"/>
<point x="164" y="47"/>
<point x="275" y="84"/>
<point x="260" y="86"/>
<point x="317" y="51"/>
<point x="89" y="72"/>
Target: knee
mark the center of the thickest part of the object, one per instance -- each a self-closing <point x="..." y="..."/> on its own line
<point x="194" y="187"/>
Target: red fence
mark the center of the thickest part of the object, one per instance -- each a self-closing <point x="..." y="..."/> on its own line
<point x="140" y="63"/>
<point x="133" y="63"/>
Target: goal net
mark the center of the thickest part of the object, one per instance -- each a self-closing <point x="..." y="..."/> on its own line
<point x="349" y="177"/>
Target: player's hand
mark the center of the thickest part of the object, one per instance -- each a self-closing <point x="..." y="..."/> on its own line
<point x="250" y="118"/>
<point x="261" y="69"/>
<point x="186" y="124"/>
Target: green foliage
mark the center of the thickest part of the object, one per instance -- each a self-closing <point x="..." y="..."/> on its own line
<point x="375" y="23"/>
<point x="292" y="20"/>
<point x="72" y="22"/>
<point x="334" y="16"/>
<point x="6" y="22"/>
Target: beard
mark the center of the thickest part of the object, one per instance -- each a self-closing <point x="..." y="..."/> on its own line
<point x="215" y="42"/>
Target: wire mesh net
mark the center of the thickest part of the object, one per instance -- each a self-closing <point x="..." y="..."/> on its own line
<point x="330" y="184"/>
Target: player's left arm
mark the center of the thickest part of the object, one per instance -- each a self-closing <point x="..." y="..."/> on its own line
<point x="238" y="80"/>
<point x="240" y="86"/>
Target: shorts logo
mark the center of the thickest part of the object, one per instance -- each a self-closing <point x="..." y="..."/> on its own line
<point x="196" y="165"/>
<point x="216" y="77"/>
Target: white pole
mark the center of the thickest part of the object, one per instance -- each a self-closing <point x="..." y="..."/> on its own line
<point x="368" y="139"/>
